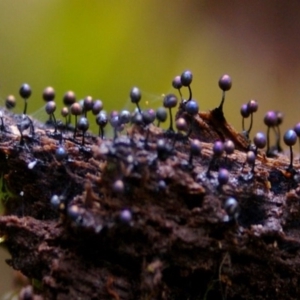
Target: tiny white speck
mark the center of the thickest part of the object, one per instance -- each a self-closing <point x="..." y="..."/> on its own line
<point x="98" y="228"/>
<point x="32" y="164"/>
<point x="226" y="218"/>
<point x="130" y="159"/>
<point x="21" y="193"/>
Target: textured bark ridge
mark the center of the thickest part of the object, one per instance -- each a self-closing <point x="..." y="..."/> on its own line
<point x="180" y="242"/>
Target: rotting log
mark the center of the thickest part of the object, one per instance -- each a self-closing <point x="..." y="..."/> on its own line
<point x="180" y="243"/>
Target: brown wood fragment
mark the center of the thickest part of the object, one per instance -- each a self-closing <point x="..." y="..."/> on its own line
<point x="212" y="126"/>
<point x="180" y="243"/>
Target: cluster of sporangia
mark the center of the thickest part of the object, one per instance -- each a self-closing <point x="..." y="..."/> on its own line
<point x="144" y="118"/>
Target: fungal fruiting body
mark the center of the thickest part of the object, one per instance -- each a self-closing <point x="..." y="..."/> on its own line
<point x="131" y="207"/>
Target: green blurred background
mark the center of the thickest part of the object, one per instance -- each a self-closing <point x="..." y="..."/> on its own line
<point x="103" y="48"/>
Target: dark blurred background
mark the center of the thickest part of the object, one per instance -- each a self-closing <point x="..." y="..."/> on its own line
<point x="103" y="48"/>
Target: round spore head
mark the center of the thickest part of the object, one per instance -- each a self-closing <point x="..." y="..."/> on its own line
<point x="137" y="119"/>
<point x="260" y="140"/>
<point x="231" y="207"/>
<point x="50" y="107"/>
<point x="10" y="102"/>
<point x="88" y="103"/>
<point x="279" y="117"/>
<point x="176" y="83"/>
<point x="73" y="213"/>
<point x="69" y="98"/>
<point x="186" y="78"/>
<point x="225" y="82"/>
<point x="101" y="119"/>
<point x="76" y="109"/>
<point x="124" y="116"/>
<point x="170" y="101"/>
<point x="290" y="137"/>
<point x="64" y="112"/>
<point x="250" y="157"/>
<point x="25" y="91"/>
<point x="148" y="116"/>
<point x="252" y="106"/>
<point x="135" y="95"/>
<point x="245" y="113"/>
<point x="195" y="147"/>
<point x="125" y="216"/>
<point x="163" y="151"/>
<point x="55" y="201"/>
<point x="83" y="124"/>
<point x="192" y="107"/>
<point x="60" y="153"/>
<point x="223" y="176"/>
<point x="229" y="147"/>
<point x="270" y="118"/>
<point x="161" y="114"/>
<point x="162" y="185"/>
<point x="161" y="145"/>
<point x="114" y="121"/>
<point x="218" y="148"/>
<point x="48" y="94"/>
<point x="97" y="107"/>
<point x="181" y="124"/>
<point x="297" y="129"/>
<point x="26" y="293"/>
<point x="118" y="186"/>
<point x="114" y="113"/>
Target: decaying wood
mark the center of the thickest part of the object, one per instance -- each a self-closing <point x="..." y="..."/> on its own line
<point x="180" y="244"/>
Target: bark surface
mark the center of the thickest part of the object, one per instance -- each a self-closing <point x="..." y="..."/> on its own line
<point x="181" y="243"/>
